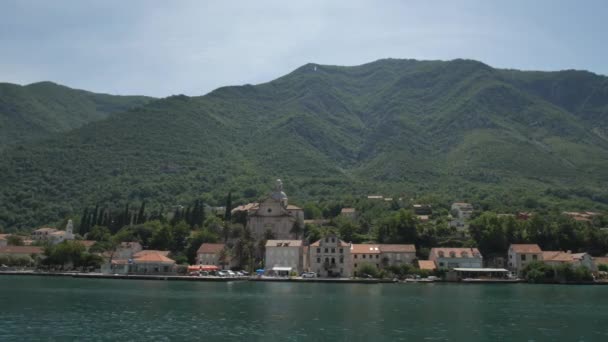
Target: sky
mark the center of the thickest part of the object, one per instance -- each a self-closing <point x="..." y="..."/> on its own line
<point x="161" y="48"/>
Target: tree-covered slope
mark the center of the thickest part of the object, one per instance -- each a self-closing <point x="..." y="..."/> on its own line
<point x="399" y="127"/>
<point x="37" y="110"/>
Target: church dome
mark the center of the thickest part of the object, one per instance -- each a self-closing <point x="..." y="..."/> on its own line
<point x="278" y="193"/>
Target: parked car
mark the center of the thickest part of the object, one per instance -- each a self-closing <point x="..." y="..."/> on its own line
<point x="309" y="275"/>
<point x="245" y="273"/>
<point x="223" y="274"/>
<point x="231" y="273"/>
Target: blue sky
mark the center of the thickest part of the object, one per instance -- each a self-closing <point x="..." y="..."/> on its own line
<point x="160" y="48"/>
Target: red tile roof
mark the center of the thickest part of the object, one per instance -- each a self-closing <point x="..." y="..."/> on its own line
<point x="210" y="248"/>
<point x="21" y="250"/>
<point x="557" y="256"/>
<point x="601" y="260"/>
<point x="45" y="229"/>
<point x="525" y="248"/>
<point x="364" y="249"/>
<point x="397" y="248"/>
<point x="427" y="265"/>
<point x="340" y="243"/>
<point x="150" y="251"/>
<point x="87" y="243"/>
<point x="457" y="252"/>
<point x="152" y="257"/>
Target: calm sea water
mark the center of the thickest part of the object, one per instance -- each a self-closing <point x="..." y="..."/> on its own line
<point x="66" y="309"/>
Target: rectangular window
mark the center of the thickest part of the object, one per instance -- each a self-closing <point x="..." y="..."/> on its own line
<point x="318" y="260"/>
<point x="326" y="250"/>
<point x="355" y="256"/>
<point x="355" y="265"/>
<point x="534" y="257"/>
<point x="377" y="256"/>
<point x="333" y="250"/>
<point x="341" y="250"/>
<point x="523" y="257"/>
<point x="333" y="240"/>
<point x="363" y="256"/>
<point x="319" y="250"/>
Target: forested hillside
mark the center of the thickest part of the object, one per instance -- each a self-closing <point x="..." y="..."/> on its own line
<point x="38" y="110"/>
<point x="458" y="130"/>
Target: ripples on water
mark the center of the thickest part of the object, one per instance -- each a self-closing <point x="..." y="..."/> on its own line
<point x="60" y="309"/>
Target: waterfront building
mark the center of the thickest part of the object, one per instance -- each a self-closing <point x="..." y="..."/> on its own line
<point x="448" y="258"/>
<point x="215" y="254"/>
<point x="21" y="251"/>
<point x="555" y="258"/>
<point x="284" y="256"/>
<point x="365" y="254"/>
<point x="382" y="255"/>
<point x="330" y="257"/>
<point x="272" y="214"/>
<point x="4" y="239"/>
<point x="146" y="262"/>
<point x="519" y="255"/>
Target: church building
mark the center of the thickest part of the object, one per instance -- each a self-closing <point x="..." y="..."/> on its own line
<point x="274" y="214"/>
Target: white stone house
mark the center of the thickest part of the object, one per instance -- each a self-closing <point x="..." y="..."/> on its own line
<point x="330" y="257"/>
<point x="519" y="255"/>
<point x="215" y="254"/>
<point x="448" y="258"/>
<point x="284" y="255"/>
<point x="53" y="235"/>
<point x="382" y="255"/>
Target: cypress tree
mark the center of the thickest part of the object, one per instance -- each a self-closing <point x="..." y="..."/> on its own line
<point x="83" y="229"/>
<point x="95" y="218"/>
<point x="228" y="213"/>
<point x="126" y="218"/>
<point x="141" y="216"/>
<point x="176" y="216"/>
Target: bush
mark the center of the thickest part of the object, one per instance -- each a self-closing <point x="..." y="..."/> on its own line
<point x="368" y="269"/>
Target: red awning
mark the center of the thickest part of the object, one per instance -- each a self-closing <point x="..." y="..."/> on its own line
<point x="193" y="268"/>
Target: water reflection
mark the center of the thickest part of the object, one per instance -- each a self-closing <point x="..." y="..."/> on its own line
<point x="159" y="310"/>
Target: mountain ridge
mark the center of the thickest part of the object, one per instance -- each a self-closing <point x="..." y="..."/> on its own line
<point x="460" y="129"/>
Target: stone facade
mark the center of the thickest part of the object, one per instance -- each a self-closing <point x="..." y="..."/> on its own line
<point x="273" y="214"/>
<point x="448" y="258"/>
<point x="284" y="253"/>
<point x="519" y="255"/>
<point x="53" y="235"/>
<point x="330" y="257"/>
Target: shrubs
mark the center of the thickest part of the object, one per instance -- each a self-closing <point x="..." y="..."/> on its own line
<point x="538" y="272"/>
<point x="368" y="269"/>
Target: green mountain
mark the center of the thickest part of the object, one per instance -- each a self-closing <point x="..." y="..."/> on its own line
<point x="459" y="130"/>
<point x="38" y="110"/>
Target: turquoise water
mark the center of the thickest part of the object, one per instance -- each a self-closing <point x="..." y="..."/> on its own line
<point x="66" y="309"/>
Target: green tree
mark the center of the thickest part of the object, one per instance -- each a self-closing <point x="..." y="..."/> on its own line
<point x="14" y="240"/>
<point x="228" y="213"/>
